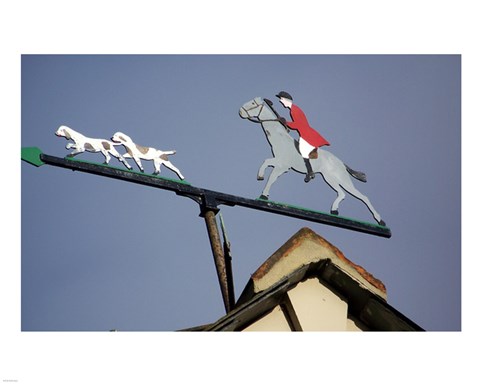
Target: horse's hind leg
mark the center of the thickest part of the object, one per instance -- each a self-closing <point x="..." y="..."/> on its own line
<point x="333" y="183"/>
<point x="355" y="192"/>
<point x="340" y="196"/>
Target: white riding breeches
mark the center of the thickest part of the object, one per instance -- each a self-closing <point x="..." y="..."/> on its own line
<point x="305" y="148"/>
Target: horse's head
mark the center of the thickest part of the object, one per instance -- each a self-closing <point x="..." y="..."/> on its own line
<point x="252" y="109"/>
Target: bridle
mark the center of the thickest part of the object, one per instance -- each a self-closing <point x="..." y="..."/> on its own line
<point x="256" y="119"/>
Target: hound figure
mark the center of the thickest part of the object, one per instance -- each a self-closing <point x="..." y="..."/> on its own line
<point x="82" y="143"/>
<point x="138" y="152"/>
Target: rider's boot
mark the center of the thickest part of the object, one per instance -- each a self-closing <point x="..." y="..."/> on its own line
<point x="310" y="174"/>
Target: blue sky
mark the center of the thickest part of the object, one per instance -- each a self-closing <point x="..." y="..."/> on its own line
<point x="99" y="254"/>
<point x="395" y="118"/>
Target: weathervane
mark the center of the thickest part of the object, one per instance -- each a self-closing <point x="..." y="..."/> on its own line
<point x="289" y="154"/>
<point x="304" y="157"/>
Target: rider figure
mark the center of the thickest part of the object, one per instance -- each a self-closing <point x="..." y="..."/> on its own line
<point x="310" y="139"/>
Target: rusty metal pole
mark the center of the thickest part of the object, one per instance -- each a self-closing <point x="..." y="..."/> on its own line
<point x="227" y="254"/>
<point x="218" y="256"/>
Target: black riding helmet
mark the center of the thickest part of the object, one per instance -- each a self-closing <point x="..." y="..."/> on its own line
<point x="285" y="95"/>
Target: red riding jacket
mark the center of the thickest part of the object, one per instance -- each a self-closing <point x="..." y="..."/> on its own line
<point x="300" y="123"/>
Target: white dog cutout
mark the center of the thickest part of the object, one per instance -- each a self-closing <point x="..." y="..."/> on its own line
<point x="82" y="144"/>
<point x="138" y="152"/>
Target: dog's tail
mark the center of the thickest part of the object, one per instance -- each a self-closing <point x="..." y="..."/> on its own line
<point x="164" y="154"/>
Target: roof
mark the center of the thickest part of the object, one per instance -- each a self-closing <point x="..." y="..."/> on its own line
<point x="307" y="247"/>
<point x="307" y="255"/>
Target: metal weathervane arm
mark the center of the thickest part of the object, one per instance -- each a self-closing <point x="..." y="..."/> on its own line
<point x="207" y="199"/>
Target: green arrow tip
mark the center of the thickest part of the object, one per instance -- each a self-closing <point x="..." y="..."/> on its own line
<point x="32" y="156"/>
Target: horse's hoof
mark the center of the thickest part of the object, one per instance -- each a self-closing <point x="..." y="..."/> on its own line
<point x="382" y="223"/>
<point x="334" y="213"/>
<point x="309" y="177"/>
<point x="263" y="197"/>
<point x="260" y="178"/>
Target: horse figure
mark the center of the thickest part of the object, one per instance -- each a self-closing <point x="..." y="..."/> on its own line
<point x="286" y="156"/>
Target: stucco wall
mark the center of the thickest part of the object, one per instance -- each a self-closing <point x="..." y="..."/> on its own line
<point x="316" y="307"/>
<point x="273" y="321"/>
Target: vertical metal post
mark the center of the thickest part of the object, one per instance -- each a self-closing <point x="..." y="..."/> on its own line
<point x="227" y="254"/>
<point x="218" y="256"/>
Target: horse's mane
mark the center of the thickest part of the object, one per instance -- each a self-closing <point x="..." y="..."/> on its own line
<point x="270" y="105"/>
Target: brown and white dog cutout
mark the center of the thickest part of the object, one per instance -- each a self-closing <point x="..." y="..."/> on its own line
<point x="138" y="152"/>
<point x="82" y="143"/>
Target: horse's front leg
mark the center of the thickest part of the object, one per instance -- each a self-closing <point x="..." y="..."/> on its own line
<point x="267" y="163"/>
<point x="274" y="175"/>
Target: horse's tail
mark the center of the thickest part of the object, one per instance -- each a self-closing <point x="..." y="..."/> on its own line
<point x="356" y="174"/>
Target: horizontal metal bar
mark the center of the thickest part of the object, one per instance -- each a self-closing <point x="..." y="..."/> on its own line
<point x="122" y="174"/>
<point x="211" y="199"/>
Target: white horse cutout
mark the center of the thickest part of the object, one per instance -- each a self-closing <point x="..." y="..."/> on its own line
<point x="138" y="152"/>
<point x="285" y="157"/>
<point x="82" y="143"/>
